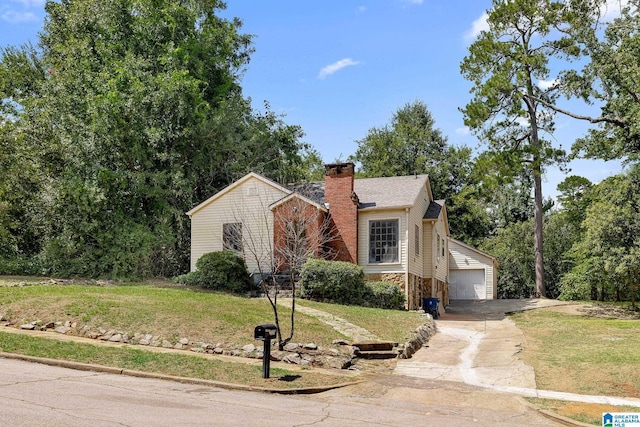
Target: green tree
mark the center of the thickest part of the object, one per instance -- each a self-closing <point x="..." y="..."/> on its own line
<point x="612" y="234"/>
<point x="411" y="144"/>
<point x="512" y="247"/>
<point x="574" y="198"/>
<point x="133" y="113"/>
<point x="505" y="64"/>
<point x="610" y="77"/>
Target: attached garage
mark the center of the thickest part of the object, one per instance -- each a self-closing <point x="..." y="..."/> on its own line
<point x="473" y="274"/>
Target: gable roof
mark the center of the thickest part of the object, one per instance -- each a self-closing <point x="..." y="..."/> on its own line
<point x="390" y="192"/>
<point x="434" y="210"/>
<point x="471" y="248"/>
<point x="311" y="190"/>
<point x="395" y="192"/>
<point x="300" y="197"/>
<point x="236" y="184"/>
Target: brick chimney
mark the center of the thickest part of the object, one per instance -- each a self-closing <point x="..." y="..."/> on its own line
<point x="343" y="208"/>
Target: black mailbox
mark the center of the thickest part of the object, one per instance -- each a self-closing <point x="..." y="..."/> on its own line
<point x="265" y="332"/>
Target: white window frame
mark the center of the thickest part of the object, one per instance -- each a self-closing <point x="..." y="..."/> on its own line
<point x="398" y="243"/>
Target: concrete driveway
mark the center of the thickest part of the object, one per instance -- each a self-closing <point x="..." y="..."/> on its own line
<point x="476" y="344"/>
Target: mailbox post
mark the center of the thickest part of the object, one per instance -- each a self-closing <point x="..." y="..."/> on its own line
<point x="265" y="333"/>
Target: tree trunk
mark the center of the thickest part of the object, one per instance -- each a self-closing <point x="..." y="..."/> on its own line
<point x="538" y="218"/>
<point x="537" y="193"/>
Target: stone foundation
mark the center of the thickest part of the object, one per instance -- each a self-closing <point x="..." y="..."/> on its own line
<point x="419" y="288"/>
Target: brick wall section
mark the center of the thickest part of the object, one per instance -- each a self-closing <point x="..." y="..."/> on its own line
<point x="343" y="208"/>
<point x="305" y="215"/>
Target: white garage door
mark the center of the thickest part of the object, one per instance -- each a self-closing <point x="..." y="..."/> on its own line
<point x="467" y="284"/>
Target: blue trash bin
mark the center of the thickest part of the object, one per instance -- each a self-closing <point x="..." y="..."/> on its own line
<point x="430" y="305"/>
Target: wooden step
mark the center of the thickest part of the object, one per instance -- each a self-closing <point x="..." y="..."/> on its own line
<point x="376" y="354"/>
<point x="373" y="345"/>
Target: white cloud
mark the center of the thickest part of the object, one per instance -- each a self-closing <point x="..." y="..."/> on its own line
<point x="477" y="27"/>
<point x="463" y="130"/>
<point x="14" y="17"/>
<point x="547" y="84"/>
<point x="336" y="66"/>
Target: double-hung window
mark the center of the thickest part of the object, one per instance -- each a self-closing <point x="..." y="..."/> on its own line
<point x="383" y="241"/>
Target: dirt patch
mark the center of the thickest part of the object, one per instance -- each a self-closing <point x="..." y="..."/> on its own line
<point x="604" y="311"/>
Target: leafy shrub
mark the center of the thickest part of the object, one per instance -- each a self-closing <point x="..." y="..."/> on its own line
<point x="575" y="286"/>
<point x="220" y="271"/>
<point x="19" y="266"/>
<point x="384" y="295"/>
<point x="335" y="281"/>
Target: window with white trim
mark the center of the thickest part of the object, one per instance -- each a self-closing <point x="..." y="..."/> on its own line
<point x="417" y="239"/>
<point x="383" y="241"/>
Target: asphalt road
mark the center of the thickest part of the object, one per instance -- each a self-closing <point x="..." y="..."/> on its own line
<point x="38" y="395"/>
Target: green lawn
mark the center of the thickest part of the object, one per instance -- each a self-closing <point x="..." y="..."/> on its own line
<point x="181" y="365"/>
<point x="172" y="313"/>
<point x="580" y="354"/>
<point x="392" y="325"/>
<point x="175" y="312"/>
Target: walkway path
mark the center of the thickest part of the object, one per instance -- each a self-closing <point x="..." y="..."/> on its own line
<point x="478" y="345"/>
<point x="341" y="325"/>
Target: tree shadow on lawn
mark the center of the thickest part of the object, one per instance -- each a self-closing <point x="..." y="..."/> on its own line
<point x="492" y="309"/>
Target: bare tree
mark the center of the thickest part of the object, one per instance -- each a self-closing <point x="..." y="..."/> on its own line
<point x="279" y="243"/>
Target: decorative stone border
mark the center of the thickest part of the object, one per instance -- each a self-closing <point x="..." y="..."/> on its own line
<point x="424" y="334"/>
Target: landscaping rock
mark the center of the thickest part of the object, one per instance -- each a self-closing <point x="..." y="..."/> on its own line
<point x="293" y="359"/>
<point x="115" y="338"/>
<point x="166" y="344"/>
<point x="310" y="346"/>
<point x="424" y="333"/>
<point x="62" y="329"/>
<point x="107" y="335"/>
<point x="291" y="346"/>
<point x="28" y="326"/>
<point x="218" y="350"/>
<point x="277" y="355"/>
<point x="340" y="342"/>
<point x="184" y="341"/>
<point x="249" y="348"/>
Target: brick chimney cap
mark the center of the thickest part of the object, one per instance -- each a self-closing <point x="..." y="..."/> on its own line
<point x="339" y="168"/>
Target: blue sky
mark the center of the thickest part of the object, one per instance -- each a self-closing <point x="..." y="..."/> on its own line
<point x="338" y="68"/>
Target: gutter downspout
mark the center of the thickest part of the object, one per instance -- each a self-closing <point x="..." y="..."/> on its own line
<point x="406" y="271"/>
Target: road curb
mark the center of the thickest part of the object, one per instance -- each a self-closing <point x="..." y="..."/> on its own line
<point x="555" y="417"/>
<point x="184" y="380"/>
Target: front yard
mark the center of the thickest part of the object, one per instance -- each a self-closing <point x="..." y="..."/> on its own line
<point x="172" y="313"/>
<point x="585" y="353"/>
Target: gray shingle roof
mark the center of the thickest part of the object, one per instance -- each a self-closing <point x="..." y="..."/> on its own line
<point x="380" y="193"/>
<point x="311" y="190"/>
<point x="389" y="192"/>
<point x="434" y="209"/>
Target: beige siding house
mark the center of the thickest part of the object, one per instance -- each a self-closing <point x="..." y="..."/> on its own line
<point x="392" y="226"/>
<point x="245" y="202"/>
<point x="473" y="273"/>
